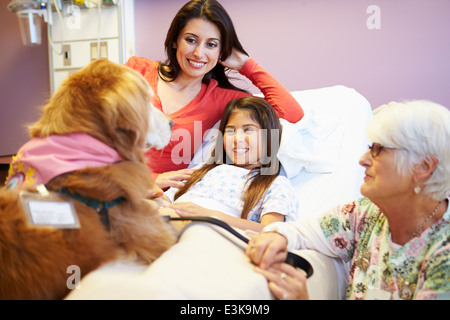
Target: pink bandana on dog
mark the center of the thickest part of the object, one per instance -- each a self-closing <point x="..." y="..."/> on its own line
<point x="41" y="159"/>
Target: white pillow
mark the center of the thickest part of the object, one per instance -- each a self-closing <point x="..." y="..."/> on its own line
<point x="314" y="143"/>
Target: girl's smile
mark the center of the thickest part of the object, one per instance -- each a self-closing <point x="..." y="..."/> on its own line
<point x="243" y="140"/>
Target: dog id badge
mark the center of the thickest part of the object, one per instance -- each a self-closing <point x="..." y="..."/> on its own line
<point x="48" y="209"/>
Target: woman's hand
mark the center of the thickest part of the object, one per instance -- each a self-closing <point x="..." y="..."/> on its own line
<point x="235" y="61"/>
<point x="266" y="249"/>
<point x="285" y="282"/>
<point x="173" y="178"/>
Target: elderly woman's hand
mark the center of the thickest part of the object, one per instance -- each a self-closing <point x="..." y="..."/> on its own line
<point x="267" y="249"/>
<point x="285" y="282"/>
<point x="235" y="61"/>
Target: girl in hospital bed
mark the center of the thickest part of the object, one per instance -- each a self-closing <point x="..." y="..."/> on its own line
<point x="240" y="183"/>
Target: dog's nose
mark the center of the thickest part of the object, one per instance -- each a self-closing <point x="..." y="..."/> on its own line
<point x="171" y="124"/>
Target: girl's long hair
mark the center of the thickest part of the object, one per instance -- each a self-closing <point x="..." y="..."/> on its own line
<point x="213" y="12"/>
<point x="260" y="178"/>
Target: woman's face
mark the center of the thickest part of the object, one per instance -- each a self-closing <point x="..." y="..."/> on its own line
<point x="198" y="48"/>
<point x="382" y="182"/>
<point x="242" y="140"/>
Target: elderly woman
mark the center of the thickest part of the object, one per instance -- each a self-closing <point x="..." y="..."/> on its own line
<point x="397" y="237"/>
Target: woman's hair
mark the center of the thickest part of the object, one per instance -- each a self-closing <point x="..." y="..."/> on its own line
<point x="213" y="12"/>
<point x="260" y="178"/>
<point x="419" y="129"/>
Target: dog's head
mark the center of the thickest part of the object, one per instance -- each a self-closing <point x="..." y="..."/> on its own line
<point x="110" y="102"/>
<point x="160" y="129"/>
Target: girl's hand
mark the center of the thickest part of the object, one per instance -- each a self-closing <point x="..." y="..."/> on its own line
<point x="285" y="282"/>
<point x="235" y="61"/>
<point x="190" y="209"/>
<point x="155" y="192"/>
<point x="173" y="178"/>
<point x="266" y="249"/>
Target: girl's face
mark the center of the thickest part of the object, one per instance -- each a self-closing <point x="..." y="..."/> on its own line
<point x="242" y="140"/>
<point x="198" y="48"/>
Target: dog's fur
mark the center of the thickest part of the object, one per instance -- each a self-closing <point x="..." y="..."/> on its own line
<point x="112" y="103"/>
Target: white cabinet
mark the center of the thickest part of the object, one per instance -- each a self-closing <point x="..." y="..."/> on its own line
<point x="77" y="32"/>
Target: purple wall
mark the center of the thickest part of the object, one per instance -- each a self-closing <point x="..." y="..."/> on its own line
<point x="304" y="43"/>
<point x="314" y="43"/>
<point x="24" y="82"/>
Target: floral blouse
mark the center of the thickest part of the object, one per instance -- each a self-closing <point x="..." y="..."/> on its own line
<point x="359" y="233"/>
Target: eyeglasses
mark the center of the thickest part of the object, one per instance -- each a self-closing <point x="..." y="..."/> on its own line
<point x="375" y="149"/>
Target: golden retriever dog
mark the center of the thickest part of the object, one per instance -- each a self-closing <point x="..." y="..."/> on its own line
<point x="85" y="161"/>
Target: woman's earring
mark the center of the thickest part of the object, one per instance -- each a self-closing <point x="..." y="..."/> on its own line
<point x="417" y="190"/>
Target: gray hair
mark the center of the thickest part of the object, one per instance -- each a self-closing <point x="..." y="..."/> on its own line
<point x="419" y="129"/>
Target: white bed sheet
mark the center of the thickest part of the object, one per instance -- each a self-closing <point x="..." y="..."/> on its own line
<point x="208" y="264"/>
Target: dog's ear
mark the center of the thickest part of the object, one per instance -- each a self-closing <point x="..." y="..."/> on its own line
<point x="126" y="114"/>
<point x="126" y="124"/>
<point x="128" y="145"/>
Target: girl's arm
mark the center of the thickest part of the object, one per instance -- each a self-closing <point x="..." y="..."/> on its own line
<point x="190" y="209"/>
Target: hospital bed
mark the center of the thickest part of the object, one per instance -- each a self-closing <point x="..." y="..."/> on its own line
<point x="319" y="154"/>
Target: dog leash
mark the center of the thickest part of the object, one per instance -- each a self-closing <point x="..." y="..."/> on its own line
<point x="292" y="258"/>
<point x="101" y="207"/>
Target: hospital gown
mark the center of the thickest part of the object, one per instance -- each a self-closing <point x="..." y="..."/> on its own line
<point x="222" y="189"/>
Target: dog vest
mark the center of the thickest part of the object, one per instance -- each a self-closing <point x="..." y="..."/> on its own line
<point x="42" y="159"/>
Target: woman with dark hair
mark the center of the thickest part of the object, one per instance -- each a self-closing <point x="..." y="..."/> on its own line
<point x="240" y="183"/>
<point x="192" y="86"/>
